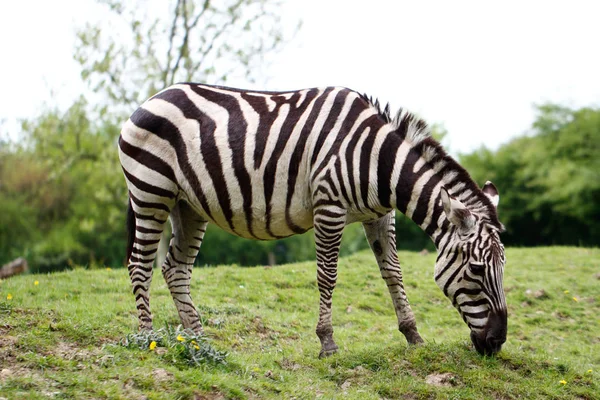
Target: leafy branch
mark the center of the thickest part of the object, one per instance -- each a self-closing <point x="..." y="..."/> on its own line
<point x="195" y="40"/>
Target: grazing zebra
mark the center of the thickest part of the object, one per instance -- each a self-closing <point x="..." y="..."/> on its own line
<point x="267" y="165"/>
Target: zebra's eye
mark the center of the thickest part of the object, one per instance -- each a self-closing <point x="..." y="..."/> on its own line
<point x="477" y="267"/>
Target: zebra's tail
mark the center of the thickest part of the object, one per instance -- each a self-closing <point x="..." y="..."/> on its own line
<point x="130" y="230"/>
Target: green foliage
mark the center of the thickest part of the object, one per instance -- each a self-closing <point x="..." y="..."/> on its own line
<point x="62" y="188"/>
<point x="439" y="133"/>
<point x="18" y="176"/>
<point x="63" y="193"/>
<point x="62" y="336"/>
<point x="410" y="236"/>
<point x="549" y="181"/>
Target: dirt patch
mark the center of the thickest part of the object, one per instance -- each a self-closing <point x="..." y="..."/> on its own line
<point x="6" y="341"/>
<point x="161" y="375"/>
<point x="8" y="345"/>
<point x="5" y="373"/>
<point x="259" y="326"/>
<point x="563" y="317"/>
<point x="289" y="365"/>
<point x="131" y="392"/>
<point x="262" y="331"/>
<point x="537" y="294"/>
<point x="346" y="385"/>
<point x="34" y="379"/>
<point x="15" y="371"/>
<point x="209" y="396"/>
<point x="5" y="328"/>
<point x="447" y="379"/>
<point x="70" y="351"/>
<point x="409" y="396"/>
<point x="359" y="370"/>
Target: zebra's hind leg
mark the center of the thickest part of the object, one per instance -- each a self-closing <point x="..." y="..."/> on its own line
<point x="381" y="235"/>
<point x="146" y="222"/>
<point x="328" y="224"/>
<point x="188" y="232"/>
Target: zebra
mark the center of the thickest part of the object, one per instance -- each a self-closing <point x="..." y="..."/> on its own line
<point x="267" y="165"/>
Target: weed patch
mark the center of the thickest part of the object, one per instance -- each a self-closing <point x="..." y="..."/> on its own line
<point x="177" y="345"/>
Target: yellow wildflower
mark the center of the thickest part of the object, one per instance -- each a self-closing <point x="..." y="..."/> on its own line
<point x="563" y="382"/>
<point x="180" y="338"/>
<point x="589" y="371"/>
<point x="575" y="299"/>
<point x="566" y="292"/>
<point x="36" y="283"/>
<point x="9" y="296"/>
<point x="152" y="345"/>
<point x="108" y="268"/>
<point x="197" y="347"/>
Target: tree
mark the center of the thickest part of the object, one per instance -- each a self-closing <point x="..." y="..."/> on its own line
<point x="62" y="193"/>
<point x="17" y="219"/>
<point x="150" y="49"/>
<point x="549" y="180"/>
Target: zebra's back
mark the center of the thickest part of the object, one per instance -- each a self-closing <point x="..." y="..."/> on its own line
<point x="246" y="161"/>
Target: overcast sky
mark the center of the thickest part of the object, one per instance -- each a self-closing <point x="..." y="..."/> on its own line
<point x="475" y="67"/>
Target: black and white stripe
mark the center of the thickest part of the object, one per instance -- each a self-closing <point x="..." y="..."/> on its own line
<point x="267" y="165"/>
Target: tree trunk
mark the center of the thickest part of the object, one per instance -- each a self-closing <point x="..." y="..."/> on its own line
<point x="271" y="258"/>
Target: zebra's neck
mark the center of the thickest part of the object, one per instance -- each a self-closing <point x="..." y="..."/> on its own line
<point x="420" y="170"/>
<point x="417" y="190"/>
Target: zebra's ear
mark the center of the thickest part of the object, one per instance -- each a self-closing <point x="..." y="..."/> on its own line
<point x="457" y="212"/>
<point x="491" y="192"/>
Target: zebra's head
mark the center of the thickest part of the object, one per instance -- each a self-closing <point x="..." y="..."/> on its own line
<point x="470" y="268"/>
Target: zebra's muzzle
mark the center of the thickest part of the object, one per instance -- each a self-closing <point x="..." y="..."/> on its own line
<point x="490" y="341"/>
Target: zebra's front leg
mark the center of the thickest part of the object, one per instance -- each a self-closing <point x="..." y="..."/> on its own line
<point x="328" y="224"/>
<point x="381" y="235"/>
<point x="188" y="233"/>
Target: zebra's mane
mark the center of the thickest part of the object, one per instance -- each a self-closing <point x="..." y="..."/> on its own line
<point x="456" y="179"/>
<point x="412" y="128"/>
<point x="385" y="113"/>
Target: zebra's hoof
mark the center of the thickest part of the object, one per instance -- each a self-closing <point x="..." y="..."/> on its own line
<point x="328" y="352"/>
<point x="415" y="339"/>
<point x="411" y="334"/>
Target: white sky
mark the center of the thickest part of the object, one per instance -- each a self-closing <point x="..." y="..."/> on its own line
<point x="475" y="67"/>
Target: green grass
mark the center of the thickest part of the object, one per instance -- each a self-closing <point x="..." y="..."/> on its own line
<point x="61" y="338"/>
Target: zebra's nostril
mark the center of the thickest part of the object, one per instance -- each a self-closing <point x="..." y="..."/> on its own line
<point x="494" y="344"/>
<point x="496" y="335"/>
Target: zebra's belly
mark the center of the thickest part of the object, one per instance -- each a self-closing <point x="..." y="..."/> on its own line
<point x="263" y="224"/>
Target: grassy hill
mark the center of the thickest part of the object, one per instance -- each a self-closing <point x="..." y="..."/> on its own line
<point x="60" y="334"/>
